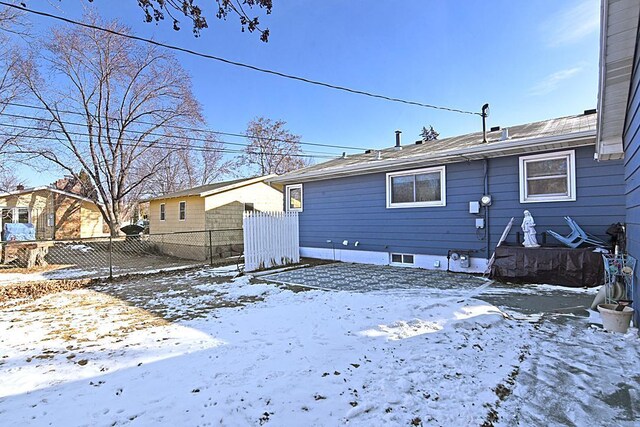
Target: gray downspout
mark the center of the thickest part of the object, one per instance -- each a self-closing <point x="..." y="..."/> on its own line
<point x="486" y="208"/>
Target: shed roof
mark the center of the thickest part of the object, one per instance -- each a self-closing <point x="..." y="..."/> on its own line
<point x="45" y="188"/>
<point x="214" y="188"/>
<point x="539" y="136"/>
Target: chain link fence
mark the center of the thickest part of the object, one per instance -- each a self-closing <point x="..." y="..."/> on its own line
<point x="106" y="257"/>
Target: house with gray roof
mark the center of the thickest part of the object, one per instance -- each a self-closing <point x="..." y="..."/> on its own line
<point x="444" y="204"/>
<point x="186" y="222"/>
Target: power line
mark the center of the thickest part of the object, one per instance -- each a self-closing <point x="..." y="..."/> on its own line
<point x="191" y="129"/>
<point x="157" y="144"/>
<point x="238" y="64"/>
<point x="139" y="132"/>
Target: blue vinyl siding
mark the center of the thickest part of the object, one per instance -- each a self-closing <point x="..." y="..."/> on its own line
<point x="631" y="139"/>
<point x="354" y="208"/>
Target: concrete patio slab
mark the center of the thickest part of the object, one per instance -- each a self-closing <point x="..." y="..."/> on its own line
<point x="366" y="278"/>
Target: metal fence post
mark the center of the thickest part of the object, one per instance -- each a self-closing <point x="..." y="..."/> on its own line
<point x="210" y="248"/>
<point x="110" y="257"/>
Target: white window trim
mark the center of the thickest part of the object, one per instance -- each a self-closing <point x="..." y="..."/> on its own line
<point x="443" y="188"/>
<point x="401" y="264"/>
<point x="288" y="198"/>
<point x="570" y="155"/>
<point x="14" y="213"/>
<point x="163" y="205"/>
<point x="185" y="210"/>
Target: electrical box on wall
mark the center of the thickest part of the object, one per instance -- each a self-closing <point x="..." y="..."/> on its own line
<point x="479" y="222"/>
<point x="465" y="261"/>
<point x="474" y="207"/>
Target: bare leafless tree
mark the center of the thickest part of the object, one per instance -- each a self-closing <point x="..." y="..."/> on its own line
<point x="272" y="148"/>
<point x="155" y="10"/>
<point x="12" y="23"/>
<point x="199" y="163"/>
<point x="9" y="181"/>
<point x="108" y="102"/>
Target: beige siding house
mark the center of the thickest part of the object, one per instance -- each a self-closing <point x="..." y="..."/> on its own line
<point x="212" y="211"/>
<point x="55" y="214"/>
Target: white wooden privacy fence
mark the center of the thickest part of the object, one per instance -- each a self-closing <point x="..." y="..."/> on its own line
<point x="270" y="239"/>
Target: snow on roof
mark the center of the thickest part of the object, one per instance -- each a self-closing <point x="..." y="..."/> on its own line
<point x="548" y="134"/>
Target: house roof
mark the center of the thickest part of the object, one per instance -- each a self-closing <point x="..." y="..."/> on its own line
<point x="214" y="188"/>
<point x="618" y="38"/>
<point x="45" y="188"/>
<point x="563" y="132"/>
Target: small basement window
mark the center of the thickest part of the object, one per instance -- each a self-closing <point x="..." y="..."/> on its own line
<point x="416" y="188"/>
<point x="294" y="198"/>
<point x="163" y="212"/>
<point x="402" y="259"/>
<point x="548" y="177"/>
<point x="182" y="211"/>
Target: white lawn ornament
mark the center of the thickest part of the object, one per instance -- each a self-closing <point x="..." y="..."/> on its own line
<point x="529" y="230"/>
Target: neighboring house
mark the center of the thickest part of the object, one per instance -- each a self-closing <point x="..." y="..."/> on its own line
<point x="416" y="205"/>
<point x="213" y="207"/>
<point x="619" y="101"/>
<point x="55" y="214"/>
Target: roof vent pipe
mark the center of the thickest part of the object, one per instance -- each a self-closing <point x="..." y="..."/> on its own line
<point x="379" y="156"/>
<point x="505" y="134"/>
<point x="398" y="146"/>
<point x="484" y="115"/>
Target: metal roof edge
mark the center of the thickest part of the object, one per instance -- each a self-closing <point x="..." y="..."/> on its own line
<point x="249" y="181"/>
<point x="53" y="190"/>
<point x="604" y="22"/>
<point x="229" y="187"/>
<point x="576" y="139"/>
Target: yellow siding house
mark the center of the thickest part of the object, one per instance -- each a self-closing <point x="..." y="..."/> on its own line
<point x="55" y="214"/>
<point x="216" y="207"/>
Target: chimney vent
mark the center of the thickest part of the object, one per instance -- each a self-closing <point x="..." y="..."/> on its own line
<point x="379" y="156"/>
<point x="20" y="187"/>
<point x="398" y="145"/>
<point x="368" y="151"/>
<point x="591" y="111"/>
<point x="505" y="134"/>
<point x="419" y="142"/>
<point x="495" y="128"/>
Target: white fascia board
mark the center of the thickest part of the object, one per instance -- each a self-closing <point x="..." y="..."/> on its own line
<point x="604" y="21"/>
<point x="53" y="190"/>
<point x="500" y="149"/>
<point x="236" y="185"/>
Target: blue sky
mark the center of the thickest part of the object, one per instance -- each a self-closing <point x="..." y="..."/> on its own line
<point x="530" y="60"/>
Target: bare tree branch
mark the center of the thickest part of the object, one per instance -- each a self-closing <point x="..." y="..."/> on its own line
<point x="272" y="148"/>
<point x="119" y="87"/>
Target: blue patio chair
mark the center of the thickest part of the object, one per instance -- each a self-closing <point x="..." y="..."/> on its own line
<point x="573" y="240"/>
<point x="577" y="236"/>
<point x="586" y="237"/>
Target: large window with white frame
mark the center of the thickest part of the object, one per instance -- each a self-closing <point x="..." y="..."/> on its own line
<point x="549" y="177"/>
<point x="294" y="198"/>
<point x="417" y="188"/>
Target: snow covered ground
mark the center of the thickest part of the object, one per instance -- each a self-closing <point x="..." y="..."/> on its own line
<point x="282" y="358"/>
<point x="198" y="348"/>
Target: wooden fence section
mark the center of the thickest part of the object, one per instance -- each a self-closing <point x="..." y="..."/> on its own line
<point x="270" y="239"/>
